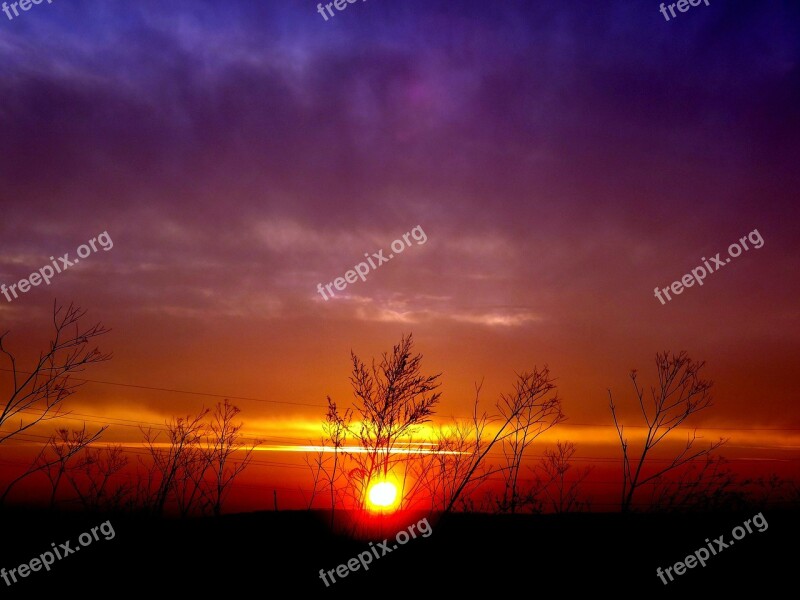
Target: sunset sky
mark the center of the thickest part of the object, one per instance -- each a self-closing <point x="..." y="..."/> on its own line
<point x="562" y="159"/>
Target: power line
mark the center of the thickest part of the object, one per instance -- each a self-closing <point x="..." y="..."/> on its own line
<point x="699" y="427"/>
<point x="246" y="398"/>
<point x="283" y="440"/>
<point x="592" y="459"/>
<point x="232" y="397"/>
<point x="174" y="391"/>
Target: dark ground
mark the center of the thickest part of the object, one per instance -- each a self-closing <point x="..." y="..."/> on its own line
<point x="280" y="555"/>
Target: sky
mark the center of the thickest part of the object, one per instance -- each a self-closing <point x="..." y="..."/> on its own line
<point x="560" y="160"/>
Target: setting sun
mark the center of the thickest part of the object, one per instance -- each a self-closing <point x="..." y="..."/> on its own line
<point x="382" y="496"/>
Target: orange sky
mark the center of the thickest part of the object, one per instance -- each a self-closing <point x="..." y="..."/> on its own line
<point x="561" y="161"/>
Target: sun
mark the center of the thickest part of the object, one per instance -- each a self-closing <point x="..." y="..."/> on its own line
<point x="382" y="496"/>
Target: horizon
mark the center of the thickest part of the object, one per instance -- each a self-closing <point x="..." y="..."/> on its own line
<point x="582" y="215"/>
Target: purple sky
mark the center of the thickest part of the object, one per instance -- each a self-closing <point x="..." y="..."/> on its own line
<point x="563" y="159"/>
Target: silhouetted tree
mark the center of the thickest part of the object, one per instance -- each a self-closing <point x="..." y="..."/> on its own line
<point x="527" y="414"/>
<point x="680" y="394"/>
<point x="699" y="486"/>
<point x="560" y="492"/>
<point x="771" y="490"/>
<point x="453" y="460"/>
<point x="326" y="470"/>
<point x="173" y="471"/>
<point x="196" y="464"/>
<point x="524" y="414"/>
<point x="224" y="442"/>
<point x="393" y="398"/>
<point x="37" y="395"/>
<point x="55" y="457"/>
<point x="91" y="478"/>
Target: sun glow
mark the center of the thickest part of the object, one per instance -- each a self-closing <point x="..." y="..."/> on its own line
<point x="382" y="496"/>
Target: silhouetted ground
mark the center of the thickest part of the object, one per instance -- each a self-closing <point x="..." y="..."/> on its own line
<point x="280" y="555"/>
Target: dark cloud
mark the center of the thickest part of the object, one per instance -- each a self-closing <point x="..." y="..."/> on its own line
<point x="563" y="159"/>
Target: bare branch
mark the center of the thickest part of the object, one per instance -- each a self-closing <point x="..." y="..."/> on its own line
<point x="38" y="394"/>
<point x="680" y="393"/>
